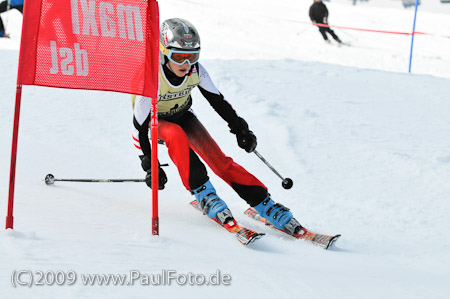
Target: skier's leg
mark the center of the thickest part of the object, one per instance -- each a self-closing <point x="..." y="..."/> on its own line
<point x="192" y="171"/>
<point x="336" y="38"/>
<point x="323" y="31"/>
<point x="244" y="183"/>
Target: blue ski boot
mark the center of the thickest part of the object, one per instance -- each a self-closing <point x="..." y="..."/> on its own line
<point x="278" y="215"/>
<point x="211" y="204"/>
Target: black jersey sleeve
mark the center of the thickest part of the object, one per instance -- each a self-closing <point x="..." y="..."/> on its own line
<point x="214" y="97"/>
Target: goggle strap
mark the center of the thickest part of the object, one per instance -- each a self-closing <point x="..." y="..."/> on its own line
<point x="163" y="49"/>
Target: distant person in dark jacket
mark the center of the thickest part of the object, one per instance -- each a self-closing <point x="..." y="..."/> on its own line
<point x="16" y="4"/>
<point x="318" y="13"/>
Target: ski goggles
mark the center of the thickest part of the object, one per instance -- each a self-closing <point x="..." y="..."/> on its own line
<point x="180" y="57"/>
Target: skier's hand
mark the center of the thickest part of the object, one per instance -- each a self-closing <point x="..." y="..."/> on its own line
<point x="162" y="178"/>
<point x="245" y="138"/>
<point x="146" y="163"/>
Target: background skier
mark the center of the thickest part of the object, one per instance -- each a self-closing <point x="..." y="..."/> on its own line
<point x="318" y="13"/>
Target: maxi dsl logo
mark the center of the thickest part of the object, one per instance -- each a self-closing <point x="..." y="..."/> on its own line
<point x="115" y="21"/>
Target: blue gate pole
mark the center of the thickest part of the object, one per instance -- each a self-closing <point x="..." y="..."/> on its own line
<point x="412" y="36"/>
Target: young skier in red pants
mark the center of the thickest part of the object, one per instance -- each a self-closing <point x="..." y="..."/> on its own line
<point x="187" y="139"/>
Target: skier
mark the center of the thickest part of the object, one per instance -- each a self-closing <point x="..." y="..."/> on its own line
<point x="17" y="4"/>
<point x="318" y="13"/>
<point x="187" y="139"/>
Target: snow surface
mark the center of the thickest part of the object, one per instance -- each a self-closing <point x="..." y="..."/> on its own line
<point x="366" y="144"/>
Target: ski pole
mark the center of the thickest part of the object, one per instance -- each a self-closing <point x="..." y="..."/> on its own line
<point x="304" y="30"/>
<point x="286" y="182"/>
<point x="50" y="180"/>
<point x="348" y="34"/>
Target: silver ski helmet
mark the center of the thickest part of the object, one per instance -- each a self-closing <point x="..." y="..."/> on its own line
<point x="177" y="34"/>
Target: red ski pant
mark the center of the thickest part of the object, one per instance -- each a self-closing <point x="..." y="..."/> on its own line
<point x="190" y="135"/>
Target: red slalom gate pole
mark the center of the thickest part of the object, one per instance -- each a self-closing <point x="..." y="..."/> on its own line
<point x="155" y="166"/>
<point x="12" y="177"/>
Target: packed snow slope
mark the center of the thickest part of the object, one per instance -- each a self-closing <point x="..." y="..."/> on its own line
<point x="366" y="144"/>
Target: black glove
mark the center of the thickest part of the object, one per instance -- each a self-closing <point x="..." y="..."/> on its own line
<point x="245" y="138"/>
<point x="146" y="163"/>
<point x="162" y="178"/>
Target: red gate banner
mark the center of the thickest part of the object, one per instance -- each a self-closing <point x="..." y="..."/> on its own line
<point x="91" y="44"/>
<point x="110" y="45"/>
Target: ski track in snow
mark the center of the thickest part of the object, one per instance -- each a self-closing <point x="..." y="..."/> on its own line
<point x="365" y="143"/>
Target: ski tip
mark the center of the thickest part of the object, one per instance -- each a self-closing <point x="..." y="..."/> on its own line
<point x="332" y="241"/>
<point x="253" y="239"/>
